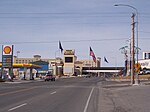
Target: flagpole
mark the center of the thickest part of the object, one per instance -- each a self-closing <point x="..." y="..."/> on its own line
<point x="61" y="48"/>
<point x="89" y="64"/>
<point x="55" y="73"/>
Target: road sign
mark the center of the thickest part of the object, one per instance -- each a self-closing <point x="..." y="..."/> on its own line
<point x="137" y="67"/>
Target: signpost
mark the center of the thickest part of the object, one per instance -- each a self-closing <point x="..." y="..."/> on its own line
<point x="7" y="59"/>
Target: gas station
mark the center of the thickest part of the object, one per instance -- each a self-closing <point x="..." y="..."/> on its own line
<point x="8" y="66"/>
<point x="23" y="68"/>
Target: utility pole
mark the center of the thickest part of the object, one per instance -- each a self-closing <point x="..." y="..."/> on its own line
<point x="133" y="52"/>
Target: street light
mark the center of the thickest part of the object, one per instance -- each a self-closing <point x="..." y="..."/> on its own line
<point x="18" y="53"/>
<point x="125" y="52"/>
<point x="55" y="72"/>
<point x="136" y="12"/>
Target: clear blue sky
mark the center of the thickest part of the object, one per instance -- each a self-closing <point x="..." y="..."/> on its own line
<point x="36" y="26"/>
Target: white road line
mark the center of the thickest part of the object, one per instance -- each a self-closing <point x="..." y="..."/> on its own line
<point x="53" y="92"/>
<point x="17" y="107"/>
<point x="87" y="103"/>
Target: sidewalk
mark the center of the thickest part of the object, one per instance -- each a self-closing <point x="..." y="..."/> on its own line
<point x="142" y="81"/>
<point x="121" y="96"/>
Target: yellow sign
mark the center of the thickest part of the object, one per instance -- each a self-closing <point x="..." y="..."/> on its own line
<point x="137" y="70"/>
<point x="137" y="67"/>
<point x="7" y="49"/>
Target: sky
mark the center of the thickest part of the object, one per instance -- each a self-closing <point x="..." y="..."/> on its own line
<point x="35" y="27"/>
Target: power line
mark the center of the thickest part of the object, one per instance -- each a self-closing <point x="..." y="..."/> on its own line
<point x="145" y="31"/>
<point x="66" y="13"/>
<point x="71" y="41"/>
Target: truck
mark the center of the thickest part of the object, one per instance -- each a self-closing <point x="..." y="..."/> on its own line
<point x="145" y="66"/>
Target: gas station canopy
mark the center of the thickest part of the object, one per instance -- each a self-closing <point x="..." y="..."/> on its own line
<point x="24" y="65"/>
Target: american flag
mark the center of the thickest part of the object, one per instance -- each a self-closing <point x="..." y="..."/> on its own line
<point x="92" y="54"/>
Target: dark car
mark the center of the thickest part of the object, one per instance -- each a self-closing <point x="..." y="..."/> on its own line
<point x="49" y="77"/>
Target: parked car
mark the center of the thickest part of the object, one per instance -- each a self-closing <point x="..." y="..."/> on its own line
<point x="49" y="77"/>
<point x="88" y="76"/>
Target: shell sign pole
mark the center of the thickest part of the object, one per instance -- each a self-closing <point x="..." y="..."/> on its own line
<point x="7" y="57"/>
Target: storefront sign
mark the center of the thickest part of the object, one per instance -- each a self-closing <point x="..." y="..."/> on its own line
<point x="69" y="52"/>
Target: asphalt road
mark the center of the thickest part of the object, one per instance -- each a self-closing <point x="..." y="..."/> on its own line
<point x="74" y="95"/>
<point x="63" y="95"/>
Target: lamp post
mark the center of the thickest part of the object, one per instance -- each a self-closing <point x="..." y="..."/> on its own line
<point x="17" y="62"/>
<point x="130" y="56"/>
<point x="55" y="71"/>
<point x="136" y="13"/>
<point x="18" y="53"/>
<point x="125" y="52"/>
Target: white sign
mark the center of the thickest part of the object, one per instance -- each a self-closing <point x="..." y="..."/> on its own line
<point x="7" y="49"/>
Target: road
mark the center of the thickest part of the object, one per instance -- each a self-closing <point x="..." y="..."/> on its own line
<point x="74" y="95"/>
<point x="63" y="95"/>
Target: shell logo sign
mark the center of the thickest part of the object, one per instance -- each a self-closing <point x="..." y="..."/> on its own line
<point x="7" y="57"/>
<point x="7" y="50"/>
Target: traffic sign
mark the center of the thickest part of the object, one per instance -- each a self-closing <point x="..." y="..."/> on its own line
<point x="137" y="67"/>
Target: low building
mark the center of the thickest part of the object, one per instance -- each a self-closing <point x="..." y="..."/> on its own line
<point x="44" y="67"/>
<point x="67" y="66"/>
<point x="53" y="64"/>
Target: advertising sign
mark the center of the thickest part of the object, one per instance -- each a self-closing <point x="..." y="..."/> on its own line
<point x="69" y="52"/>
<point x="7" y="56"/>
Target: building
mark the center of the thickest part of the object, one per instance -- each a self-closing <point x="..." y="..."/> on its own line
<point x="91" y="63"/>
<point x="44" y="67"/>
<point x="78" y="68"/>
<point x="146" y="55"/>
<point x="69" y="62"/>
<point x="53" y="64"/>
<point x="72" y="66"/>
<point x="67" y="66"/>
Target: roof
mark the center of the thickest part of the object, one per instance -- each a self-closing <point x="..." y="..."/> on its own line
<point x="103" y="68"/>
<point x="24" y="65"/>
<point x="40" y="62"/>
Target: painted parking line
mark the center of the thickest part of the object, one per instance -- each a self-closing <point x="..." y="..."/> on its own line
<point x="17" y="107"/>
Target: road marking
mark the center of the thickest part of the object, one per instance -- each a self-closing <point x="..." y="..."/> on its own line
<point x="87" y="103"/>
<point x="53" y="92"/>
<point x="17" y="107"/>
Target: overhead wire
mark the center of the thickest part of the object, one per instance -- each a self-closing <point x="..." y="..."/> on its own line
<point x="68" y="41"/>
